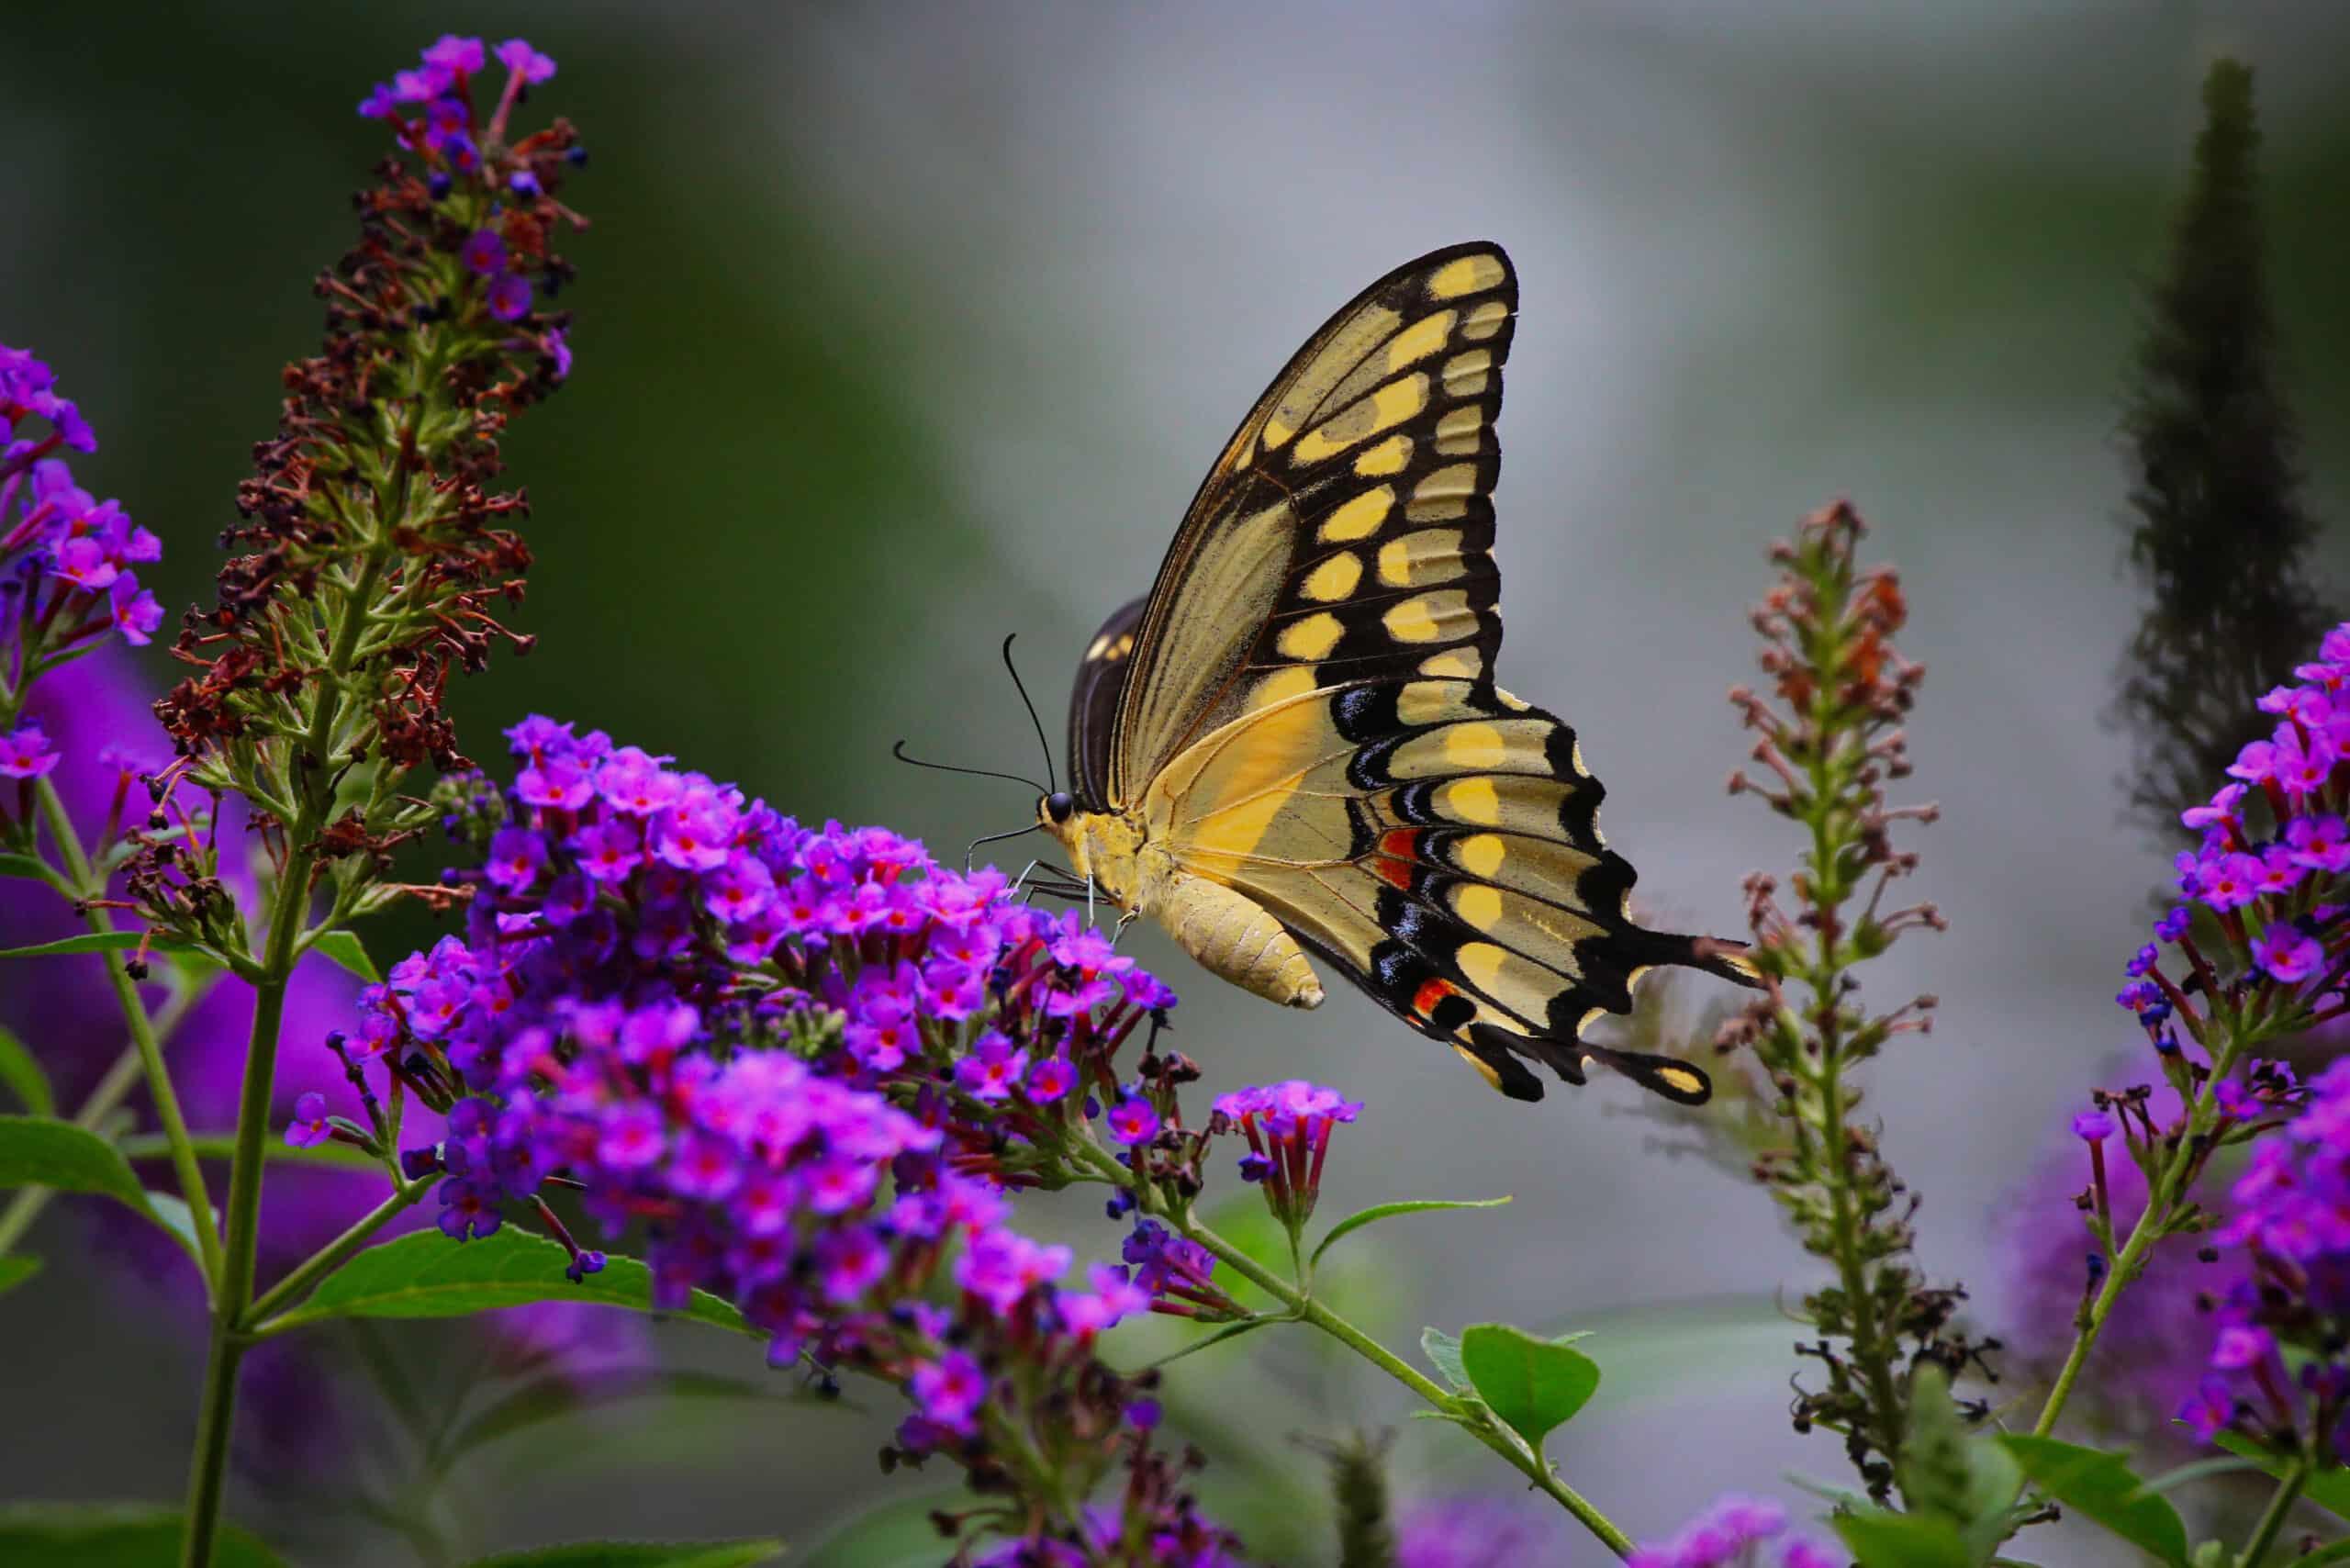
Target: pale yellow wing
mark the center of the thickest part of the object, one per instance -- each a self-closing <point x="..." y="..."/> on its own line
<point x="1346" y="524"/>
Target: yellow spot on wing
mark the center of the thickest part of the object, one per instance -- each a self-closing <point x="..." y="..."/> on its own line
<point x="1454" y="664"/>
<point x="1333" y="579"/>
<point x="1466" y="276"/>
<point x="1680" y="1078"/>
<point x="1464" y="373"/>
<point x="1519" y="703"/>
<point x="1360" y="517"/>
<point x="1482" y="963"/>
<point x="1276" y="433"/>
<point x="1457" y="432"/>
<point x="1388" y="457"/>
<point x="1478" y="905"/>
<point x="1469" y="801"/>
<point x="1428" y="616"/>
<point x="1312" y="638"/>
<point x="1480" y="855"/>
<point x="1409" y="621"/>
<point x="1431" y="555"/>
<point x="1390" y="405"/>
<point x="1474" y="745"/>
<point x="1486" y="320"/>
<point x="1430" y="702"/>
<point x="1418" y="341"/>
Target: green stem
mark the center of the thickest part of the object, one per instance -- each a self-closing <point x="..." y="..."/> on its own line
<point x="307" y="777"/>
<point x="328" y="1258"/>
<point x="120" y="1080"/>
<point x="2271" y="1518"/>
<point x="1306" y="1309"/>
<point x="143" y="1035"/>
<point x="2161" y="1195"/>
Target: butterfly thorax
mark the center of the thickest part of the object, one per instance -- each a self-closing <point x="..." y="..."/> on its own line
<point x="1229" y="933"/>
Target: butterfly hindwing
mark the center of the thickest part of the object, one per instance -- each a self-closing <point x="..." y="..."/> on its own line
<point x="1347" y="525"/>
<point x="1438" y="841"/>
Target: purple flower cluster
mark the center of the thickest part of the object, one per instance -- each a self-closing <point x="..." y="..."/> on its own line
<point x="1469" y="1532"/>
<point x="68" y="561"/>
<point x="68" y="1015"/>
<point x="432" y="107"/>
<point x="2279" y="1366"/>
<point x="1288" y="1126"/>
<point x="1736" y="1532"/>
<point x="810" y="1063"/>
<point x="2274" y="846"/>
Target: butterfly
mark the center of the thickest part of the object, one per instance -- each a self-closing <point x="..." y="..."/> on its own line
<point x="1292" y="747"/>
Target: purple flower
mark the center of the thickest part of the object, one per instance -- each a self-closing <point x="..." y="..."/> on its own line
<point x="525" y="62"/>
<point x="509" y="297"/>
<point x="26" y="753"/>
<point x="484" y="252"/>
<point x="309" y="1129"/>
<point x="1729" y="1533"/>
<point x="468" y="1211"/>
<point x="2092" y="1126"/>
<point x="950" y="1390"/>
<point x="1470" y="1532"/>
<point x="1132" y="1121"/>
<point x="451" y="52"/>
<point x="2287" y="955"/>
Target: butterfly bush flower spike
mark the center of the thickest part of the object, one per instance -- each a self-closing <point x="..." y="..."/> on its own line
<point x="376" y="551"/>
<point x="1288" y="1128"/>
<point x="1830" y="738"/>
<point x="2256" y="950"/>
<point x="814" y="1066"/>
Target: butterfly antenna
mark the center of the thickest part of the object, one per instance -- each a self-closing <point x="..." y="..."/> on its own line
<point x="898" y="751"/>
<point x="1018" y="684"/>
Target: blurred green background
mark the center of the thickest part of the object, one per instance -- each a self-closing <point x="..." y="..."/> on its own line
<point x="903" y="326"/>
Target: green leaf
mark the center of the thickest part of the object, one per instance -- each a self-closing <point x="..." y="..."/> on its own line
<point x="345" y="948"/>
<point x="571" y="1394"/>
<point x="42" y="1152"/>
<point x="1443" y="1351"/>
<point x="1387" y="1211"/>
<point x="639" y="1554"/>
<point x="114" y="1535"/>
<point x="1882" y="1539"/>
<point x="428" y="1275"/>
<point x="1970" y="1482"/>
<point x="1533" y="1384"/>
<point x="2101" y="1486"/>
<point x="2328" y="1488"/>
<point x="31" y="865"/>
<point x="100" y="942"/>
<point x="15" y="1270"/>
<point x="24" y="1077"/>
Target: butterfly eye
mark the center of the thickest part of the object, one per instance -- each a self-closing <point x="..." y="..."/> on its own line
<point x="1060" y="805"/>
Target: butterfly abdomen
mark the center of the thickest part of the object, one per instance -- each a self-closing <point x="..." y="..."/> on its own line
<point x="1235" y="937"/>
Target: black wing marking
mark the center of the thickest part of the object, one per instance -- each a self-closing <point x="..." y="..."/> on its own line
<point x="1093" y="704"/>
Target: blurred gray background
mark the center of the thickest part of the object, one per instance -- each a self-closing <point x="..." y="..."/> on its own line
<point x="903" y="326"/>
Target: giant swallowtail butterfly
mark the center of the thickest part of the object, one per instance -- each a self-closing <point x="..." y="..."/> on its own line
<point x="1293" y="744"/>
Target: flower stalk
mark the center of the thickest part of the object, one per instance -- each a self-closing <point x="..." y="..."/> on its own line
<point x="1830" y="738"/>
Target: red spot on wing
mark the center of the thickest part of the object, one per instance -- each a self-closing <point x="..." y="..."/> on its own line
<point x="1398" y="872"/>
<point x="1398" y="848"/>
<point x="1403" y="843"/>
<point x="1425" y="1000"/>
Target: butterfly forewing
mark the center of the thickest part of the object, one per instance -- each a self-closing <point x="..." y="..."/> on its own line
<point x="1093" y="705"/>
<point x="1346" y="526"/>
